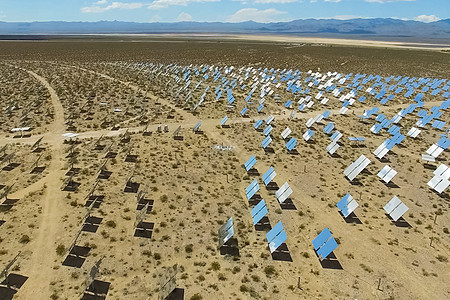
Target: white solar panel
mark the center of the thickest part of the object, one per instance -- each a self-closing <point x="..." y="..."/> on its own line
<point x="427" y="157"/>
<point x="286" y="133"/>
<point x="355" y="168"/>
<point x="399" y="211"/>
<point x="444" y="184"/>
<point x="387" y="173"/>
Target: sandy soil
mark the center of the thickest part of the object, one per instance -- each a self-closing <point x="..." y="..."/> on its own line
<point x="196" y="188"/>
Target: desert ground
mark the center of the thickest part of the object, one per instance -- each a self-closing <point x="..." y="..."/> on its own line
<point x="72" y="200"/>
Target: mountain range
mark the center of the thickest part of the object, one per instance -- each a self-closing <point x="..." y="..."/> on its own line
<point x="381" y="28"/>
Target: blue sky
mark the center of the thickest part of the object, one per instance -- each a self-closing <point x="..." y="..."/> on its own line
<point x="220" y="10"/>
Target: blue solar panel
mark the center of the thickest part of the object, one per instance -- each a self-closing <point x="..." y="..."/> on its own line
<point x="326" y="114"/>
<point x="335" y="135"/>
<point x="438" y="124"/>
<point x="444" y="143"/>
<point x="328" y="128"/>
<point x="267" y="176"/>
<point x="267" y="130"/>
<point x="224" y="120"/>
<point x="435" y="92"/>
<point x="394" y="129"/>
<point x="252" y="189"/>
<point x="266" y="142"/>
<point x="244" y="111"/>
<point x="422" y="113"/>
<point x="274" y="231"/>
<point x="259" y="211"/>
<point x="321" y="238"/>
<point x="301" y="107"/>
<point x="380" y="118"/>
<point x="277" y="241"/>
<point x="326" y="249"/>
<point x="288" y="104"/>
<point x="291" y="144"/>
<point x="258" y="123"/>
<point x="251" y="186"/>
<point x="343" y="202"/>
<point x="250" y="163"/>
<point x="260" y="107"/>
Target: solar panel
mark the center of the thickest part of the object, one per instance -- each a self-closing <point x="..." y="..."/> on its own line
<point x="427" y="157"/>
<point x="226" y="231"/>
<point x="332" y="148"/>
<point x="327" y="248"/>
<point x="336" y="136"/>
<point x="288" y="104"/>
<point x="252" y="189"/>
<point x="267" y="130"/>
<point x="290" y="145"/>
<point x="269" y="120"/>
<point x="438" y="124"/>
<point x="308" y="134"/>
<point x="244" y="110"/>
<point x="197" y="127"/>
<point x="413" y="132"/>
<point x="310" y="122"/>
<point x="347" y="205"/>
<point x="440" y="181"/>
<point x="328" y="128"/>
<point x="343" y="110"/>
<point x="250" y="163"/>
<point x="324" y="244"/>
<point x="276" y="237"/>
<point x="387" y="173"/>
<point x="260" y="107"/>
<point x="283" y="192"/>
<point x="286" y="133"/>
<point x="224" y="120"/>
<point x="258" y="123"/>
<point x="269" y="176"/>
<point x="435" y="150"/>
<point x="355" y="168"/>
<point x="266" y="142"/>
<point x="259" y="211"/>
<point x="395" y="208"/>
<point x="443" y="143"/>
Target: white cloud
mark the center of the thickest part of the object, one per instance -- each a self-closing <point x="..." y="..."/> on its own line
<point x="347" y="17"/>
<point x="267" y="1"/>
<point x="158" y="4"/>
<point x="386" y="1"/>
<point x="155" y="18"/>
<point x="275" y="1"/>
<point x="427" y="19"/>
<point x="254" y="14"/>
<point x="97" y="8"/>
<point x="184" y="17"/>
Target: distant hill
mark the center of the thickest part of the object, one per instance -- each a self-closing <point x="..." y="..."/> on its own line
<point x="369" y="28"/>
